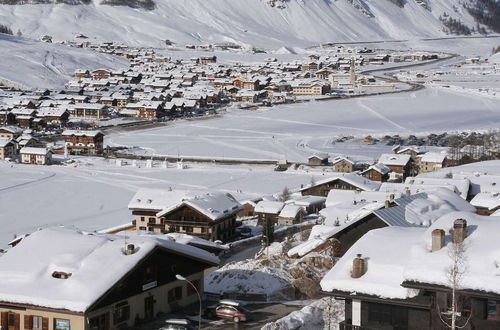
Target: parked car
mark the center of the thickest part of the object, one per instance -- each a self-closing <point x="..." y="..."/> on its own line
<point x="177" y="324"/>
<point x="244" y="232"/>
<point x="228" y="309"/>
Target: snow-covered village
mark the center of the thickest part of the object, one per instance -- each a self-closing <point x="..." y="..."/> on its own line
<point x="249" y="164"/>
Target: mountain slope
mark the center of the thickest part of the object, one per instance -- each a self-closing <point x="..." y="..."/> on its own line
<point x="248" y="22"/>
<point x="37" y="64"/>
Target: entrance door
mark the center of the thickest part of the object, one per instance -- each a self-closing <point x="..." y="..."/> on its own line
<point x="100" y="322"/>
<point x="13" y="321"/>
<point x="149" y="307"/>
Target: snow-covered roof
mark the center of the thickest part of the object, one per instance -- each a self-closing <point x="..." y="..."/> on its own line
<point x="272" y="207"/>
<point x="156" y="199"/>
<point x="388" y="249"/>
<point x="34" y="151"/>
<point x="337" y="196"/>
<point x="486" y="200"/>
<point x="482" y="254"/>
<point x="379" y="167"/>
<point x="70" y="132"/>
<point x="96" y="262"/>
<point x="462" y="185"/>
<point x="4" y="142"/>
<point x="12" y="129"/>
<point x="214" y="205"/>
<point x="178" y="238"/>
<point x="424" y="208"/>
<point x="394" y="159"/>
<point x="433" y="157"/>
<point x="291" y="211"/>
<point x="351" y="178"/>
<point x="307" y="200"/>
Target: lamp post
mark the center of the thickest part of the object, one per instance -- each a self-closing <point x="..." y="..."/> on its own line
<point x="182" y="278"/>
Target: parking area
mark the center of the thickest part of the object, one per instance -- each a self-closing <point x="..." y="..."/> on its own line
<point x="261" y="314"/>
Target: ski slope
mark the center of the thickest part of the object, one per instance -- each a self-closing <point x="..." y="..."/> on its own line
<point x="37" y="64"/>
<point x="246" y="22"/>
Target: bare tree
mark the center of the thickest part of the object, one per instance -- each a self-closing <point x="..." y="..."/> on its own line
<point x="453" y="317"/>
<point x="285" y="194"/>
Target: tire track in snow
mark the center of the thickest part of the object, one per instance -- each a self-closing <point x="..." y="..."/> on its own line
<point x="375" y="113"/>
<point x="20" y="185"/>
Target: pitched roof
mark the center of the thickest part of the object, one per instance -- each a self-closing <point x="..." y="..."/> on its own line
<point x="214" y="205"/>
<point x="350" y="178"/>
<point x="95" y="261"/>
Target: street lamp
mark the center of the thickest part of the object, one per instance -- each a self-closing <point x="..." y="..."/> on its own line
<point x="182" y="278"/>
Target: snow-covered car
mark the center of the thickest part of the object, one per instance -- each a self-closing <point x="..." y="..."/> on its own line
<point x="244" y="232"/>
<point x="177" y="324"/>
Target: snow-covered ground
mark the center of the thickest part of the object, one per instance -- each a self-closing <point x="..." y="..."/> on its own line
<point x="95" y="194"/>
<point x="42" y="65"/>
<point x="296" y="131"/>
<point x="301" y="23"/>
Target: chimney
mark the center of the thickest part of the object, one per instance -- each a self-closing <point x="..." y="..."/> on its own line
<point x="391" y="197"/>
<point x="358" y="267"/>
<point x="407" y="191"/>
<point x="437" y="239"/>
<point x="387" y="203"/>
<point x="459" y="231"/>
<point x="130" y="249"/>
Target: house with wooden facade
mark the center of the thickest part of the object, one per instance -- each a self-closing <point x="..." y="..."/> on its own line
<point x="36" y="156"/>
<point x="291" y="214"/>
<point x="347" y="181"/>
<point x="87" y="281"/>
<point x="430" y="162"/>
<point x="343" y="164"/>
<point x="397" y="278"/>
<point x="486" y="203"/>
<point x="268" y="211"/>
<point x="211" y="216"/>
<point x="83" y="142"/>
<point x="377" y="172"/>
<point x="400" y="164"/>
<point x="7" y="148"/>
<point x="318" y="159"/>
<point x="10" y="132"/>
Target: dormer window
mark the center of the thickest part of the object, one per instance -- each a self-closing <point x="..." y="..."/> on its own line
<point x="61" y="275"/>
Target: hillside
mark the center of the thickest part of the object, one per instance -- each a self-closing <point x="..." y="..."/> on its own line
<point x="38" y="64"/>
<point x="263" y="23"/>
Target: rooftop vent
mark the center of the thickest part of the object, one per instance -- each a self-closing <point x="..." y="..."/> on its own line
<point x="61" y="275"/>
<point x="130" y="249"/>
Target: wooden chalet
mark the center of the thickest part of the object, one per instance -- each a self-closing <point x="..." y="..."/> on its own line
<point x="36" y="156"/>
<point x="7" y="148"/>
<point x="82" y="142"/>
<point x="390" y="280"/>
<point x="107" y="285"/>
<point x="345" y="182"/>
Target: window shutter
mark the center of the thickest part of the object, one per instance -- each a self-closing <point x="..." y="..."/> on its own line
<point x="17" y="325"/>
<point x="45" y="323"/>
<point x="4" y="320"/>
<point x="28" y="322"/>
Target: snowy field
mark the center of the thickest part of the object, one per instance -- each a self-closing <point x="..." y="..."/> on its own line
<point x="95" y="194"/>
<point x="296" y="131"/>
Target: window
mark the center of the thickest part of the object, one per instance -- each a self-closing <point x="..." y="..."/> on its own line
<point x="61" y="324"/>
<point x="121" y="313"/>
<point x="142" y="219"/>
<point x="175" y="294"/>
<point x="37" y="323"/>
<point x="188" y="229"/>
<point x="493" y="310"/>
<point x="190" y="290"/>
<point x="12" y="319"/>
<point x="142" y="228"/>
<point x="152" y="220"/>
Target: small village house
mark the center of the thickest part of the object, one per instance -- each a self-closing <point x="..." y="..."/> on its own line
<point x="348" y="181"/>
<point x="318" y="159"/>
<point x="343" y="165"/>
<point x="7" y="148"/>
<point x="36" y="156"/>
